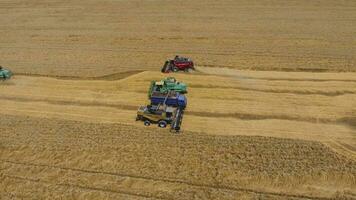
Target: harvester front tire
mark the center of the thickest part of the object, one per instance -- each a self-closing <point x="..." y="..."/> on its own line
<point x="189" y="70"/>
<point x="175" y="69"/>
<point x="147" y="123"/>
<point x="162" y="124"/>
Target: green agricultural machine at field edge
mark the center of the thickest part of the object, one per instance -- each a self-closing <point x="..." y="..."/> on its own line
<point x="5" y="74"/>
<point x="166" y="85"/>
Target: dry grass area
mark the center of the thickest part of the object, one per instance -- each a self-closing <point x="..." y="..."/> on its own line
<point x="271" y="109"/>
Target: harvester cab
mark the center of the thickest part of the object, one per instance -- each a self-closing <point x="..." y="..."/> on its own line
<point x="160" y="114"/>
<point x="166" y="85"/>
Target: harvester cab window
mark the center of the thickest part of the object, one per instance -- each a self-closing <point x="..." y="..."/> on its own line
<point x="154" y="109"/>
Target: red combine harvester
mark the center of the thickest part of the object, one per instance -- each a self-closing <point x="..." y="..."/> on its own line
<point x="178" y="64"/>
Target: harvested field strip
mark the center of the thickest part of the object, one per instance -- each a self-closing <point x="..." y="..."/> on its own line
<point x="278" y="76"/>
<point x="282" y="79"/>
<point x="247" y="116"/>
<point x="297" y="92"/>
<point x="246" y="77"/>
<point x="351" y="121"/>
<point x="281" y="69"/>
<point x="302" y="79"/>
<point x="72" y="103"/>
<point x="109" y="77"/>
<point x="241" y="116"/>
<point x="179" y="182"/>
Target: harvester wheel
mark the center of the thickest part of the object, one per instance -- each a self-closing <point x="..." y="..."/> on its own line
<point x="189" y="70"/>
<point x="175" y="69"/>
<point x="162" y="124"/>
<point x="147" y="123"/>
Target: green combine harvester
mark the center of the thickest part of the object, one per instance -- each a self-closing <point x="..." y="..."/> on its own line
<point x="166" y="85"/>
<point x="5" y="74"/>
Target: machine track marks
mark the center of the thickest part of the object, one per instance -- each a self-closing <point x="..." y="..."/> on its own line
<point x="109" y="77"/>
<point x="279" y="91"/>
<point x="194" y="186"/>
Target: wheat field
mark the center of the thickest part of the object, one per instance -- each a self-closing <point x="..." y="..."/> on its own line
<point x="271" y="107"/>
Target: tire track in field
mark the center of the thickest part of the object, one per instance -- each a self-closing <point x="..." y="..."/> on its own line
<point x="350" y="121"/>
<point x="241" y="116"/>
<point x="236" y="74"/>
<point x="301" y="80"/>
<point x="124" y="49"/>
<point x="197" y="52"/>
<point x="79" y="186"/>
<point x="279" y="69"/>
<point x="71" y="103"/>
<point x="109" y="77"/>
<point x="174" y="181"/>
<point x="247" y="116"/>
<point x="277" y="91"/>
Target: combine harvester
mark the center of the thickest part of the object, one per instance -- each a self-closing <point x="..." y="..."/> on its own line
<point x="5" y="74"/>
<point x="166" y="85"/>
<point x="167" y="104"/>
<point x="178" y="64"/>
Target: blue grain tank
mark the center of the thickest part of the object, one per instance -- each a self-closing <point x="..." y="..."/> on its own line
<point x="173" y="99"/>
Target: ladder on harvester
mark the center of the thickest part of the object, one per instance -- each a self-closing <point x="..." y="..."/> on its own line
<point x="177" y="121"/>
<point x="178" y="117"/>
